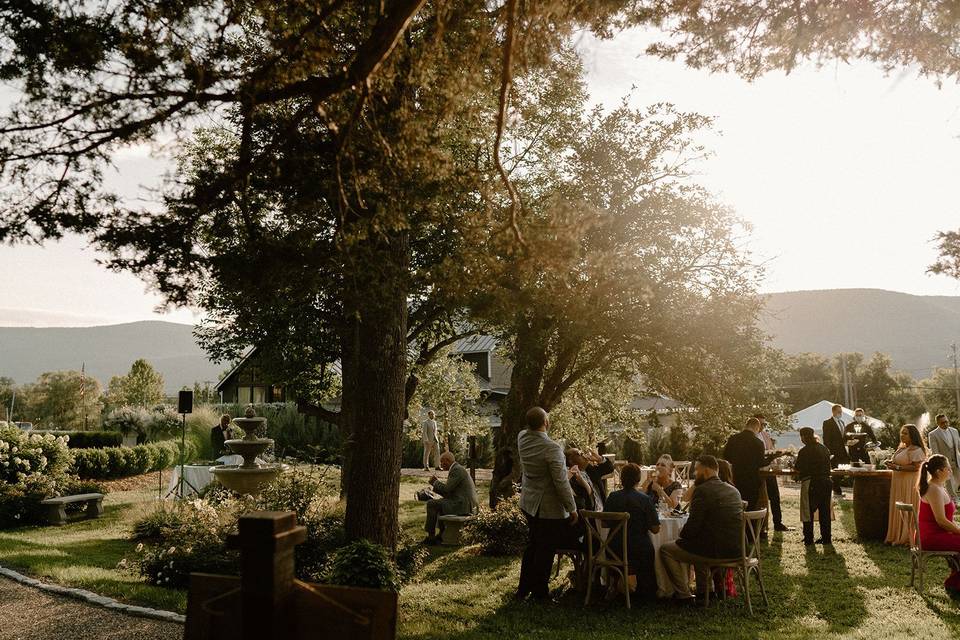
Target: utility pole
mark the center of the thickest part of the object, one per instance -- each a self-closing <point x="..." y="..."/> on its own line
<point x="846" y="380"/>
<point x="956" y="376"/>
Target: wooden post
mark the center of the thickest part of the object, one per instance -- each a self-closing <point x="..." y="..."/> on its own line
<point x="472" y="455"/>
<point x="266" y="541"/>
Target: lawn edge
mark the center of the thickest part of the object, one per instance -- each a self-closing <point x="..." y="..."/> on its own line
<point x="92" y="598"/>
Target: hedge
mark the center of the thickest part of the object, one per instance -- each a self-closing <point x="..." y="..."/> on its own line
<point x="119" y="462"/>
<point x="88" y="439"/>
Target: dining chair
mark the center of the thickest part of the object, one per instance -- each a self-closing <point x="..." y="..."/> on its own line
<point x="918" y="557"/>
<point x="681" y="471"/>
<point x="606" y="555"/>
<point x="751" y="523"/>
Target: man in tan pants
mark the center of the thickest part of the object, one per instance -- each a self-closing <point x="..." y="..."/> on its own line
<point x="712" y="531"/>
<point x="431" y="442"/>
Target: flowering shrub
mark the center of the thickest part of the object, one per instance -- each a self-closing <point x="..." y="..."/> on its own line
<point x="33" y="467"/>
<point x="23" y="454"/>
<point x="501" y="532"/>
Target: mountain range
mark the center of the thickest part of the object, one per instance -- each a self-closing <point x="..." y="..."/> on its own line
<point x="107" y="351"/>
<point x="916" y="331"/>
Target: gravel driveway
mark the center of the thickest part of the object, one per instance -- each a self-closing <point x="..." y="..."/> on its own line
<point x="29" y="614"/>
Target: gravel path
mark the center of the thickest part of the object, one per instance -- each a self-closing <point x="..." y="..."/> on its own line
<point x="30" y="614"/>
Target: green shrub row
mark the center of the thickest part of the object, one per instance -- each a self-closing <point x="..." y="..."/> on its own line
<point x="88" y="439"/>
<point x="119" y="462"/>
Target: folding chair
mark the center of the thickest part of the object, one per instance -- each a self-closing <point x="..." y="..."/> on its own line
<point x="749" y="561"/>
<point x="606" y="555"/>
<point x="918" y="557"/>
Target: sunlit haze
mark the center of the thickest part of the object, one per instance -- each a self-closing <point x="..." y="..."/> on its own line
<point x="845" y="174"/>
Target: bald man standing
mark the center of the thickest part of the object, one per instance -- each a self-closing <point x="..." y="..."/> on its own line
<point x="546" y="500"/>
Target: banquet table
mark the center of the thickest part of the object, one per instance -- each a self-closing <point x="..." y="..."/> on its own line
<point x="669" y="531"/>
<point x="871" y="497"/>
<point x="196" y="477"/>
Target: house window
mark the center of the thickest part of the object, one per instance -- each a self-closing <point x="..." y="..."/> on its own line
<point x="480" y="361"/>
<point x="243" y="395"/>
<point x="259" y="395"/>
<point x="276" y="393"/>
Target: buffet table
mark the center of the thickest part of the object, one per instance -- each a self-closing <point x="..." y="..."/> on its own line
<point x="871" y="498"/>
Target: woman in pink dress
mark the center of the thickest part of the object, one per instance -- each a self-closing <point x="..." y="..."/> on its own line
<point x="903" y="486"/>
<point x="938" y="532"/>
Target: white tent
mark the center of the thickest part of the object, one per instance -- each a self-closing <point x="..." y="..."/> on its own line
<point x="813" y="416"/>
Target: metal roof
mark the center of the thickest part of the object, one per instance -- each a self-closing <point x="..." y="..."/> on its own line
<point x="475" y="343"/>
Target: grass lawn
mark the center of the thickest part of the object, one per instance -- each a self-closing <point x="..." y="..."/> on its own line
<point x="852" y="591"/>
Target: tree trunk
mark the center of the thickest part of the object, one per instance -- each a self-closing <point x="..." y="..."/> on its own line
<point x="529" y="363"/>
<point x="374" y="377"/>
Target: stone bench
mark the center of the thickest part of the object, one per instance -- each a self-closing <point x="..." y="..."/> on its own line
<point x="451" y="529"/>
<point x="57" y="507"/>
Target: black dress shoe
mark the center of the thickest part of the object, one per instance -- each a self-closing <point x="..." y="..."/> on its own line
<point x="808" y="543"/>
<point x="431" y="541"/>
<point x="822" y="541"/>
<point x="782" y="527"/>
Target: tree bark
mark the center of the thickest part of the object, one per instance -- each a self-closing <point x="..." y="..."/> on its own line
<point x="374" y="377"/>
<point x="530" y="361"/>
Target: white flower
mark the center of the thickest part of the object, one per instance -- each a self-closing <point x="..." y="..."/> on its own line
<point x="171" y="564"/>
<point x="139" y="547"/>
<point x="171" y="550"/>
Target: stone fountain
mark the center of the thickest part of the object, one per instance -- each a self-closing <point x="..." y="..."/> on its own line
<point x="251" y="476"/>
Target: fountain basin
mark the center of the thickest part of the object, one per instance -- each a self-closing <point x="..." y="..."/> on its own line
<point x="247" y="480"/>
<point x="249" y="448"/>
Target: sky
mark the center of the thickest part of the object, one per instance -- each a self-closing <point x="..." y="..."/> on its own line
<point x="845" y="175"/>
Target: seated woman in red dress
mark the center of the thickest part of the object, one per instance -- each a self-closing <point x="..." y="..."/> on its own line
<point x="938" y="532"/>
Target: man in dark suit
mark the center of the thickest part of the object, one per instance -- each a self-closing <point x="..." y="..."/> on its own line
<point x="712" y="531"/>
<point x="813" y="471"/>
<point x="833" y="440"/>
<point x="746" y="454"/>
<point x="219" y="435"/>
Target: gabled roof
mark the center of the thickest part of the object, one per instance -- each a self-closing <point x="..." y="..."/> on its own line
<point x="475" y="343"/>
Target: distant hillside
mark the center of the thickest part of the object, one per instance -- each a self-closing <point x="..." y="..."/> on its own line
<point x="916" y="331"/>
<point x="108" y="350"/>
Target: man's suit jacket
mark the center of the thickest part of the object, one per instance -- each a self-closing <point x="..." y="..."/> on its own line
<point x="833" y="440"/>
<point x="545" y="489"/>
<point x="713" y="529"/>
<point x="946" y="443"/>
<point x="459" y="490"/>
<point x="746" y="454"/>
<point x="429" y="433"/>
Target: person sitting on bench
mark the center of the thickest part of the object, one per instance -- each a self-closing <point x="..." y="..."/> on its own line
<point x="459" y="496"/>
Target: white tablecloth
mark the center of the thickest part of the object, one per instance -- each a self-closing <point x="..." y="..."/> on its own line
<point x="669" y="531"/>
<point x="198" y="476"/>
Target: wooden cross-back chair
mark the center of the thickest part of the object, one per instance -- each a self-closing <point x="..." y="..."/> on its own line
<point x="611" y="549"/>
<point x="681" y="471"/>
<point x="748" y="563"/>
<point x="918" y="557"/>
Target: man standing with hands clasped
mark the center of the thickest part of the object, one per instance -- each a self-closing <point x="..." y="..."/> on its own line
<point x="945" y="440"/>
<point x="546" y="500"/>
<point x="833" y="428"/>
<point x="431" y="442"/>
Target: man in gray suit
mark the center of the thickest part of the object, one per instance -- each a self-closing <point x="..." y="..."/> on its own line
<point x="459" y="496"/>
<point x="546" y="500"/>
<point x="945" y="440"/>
